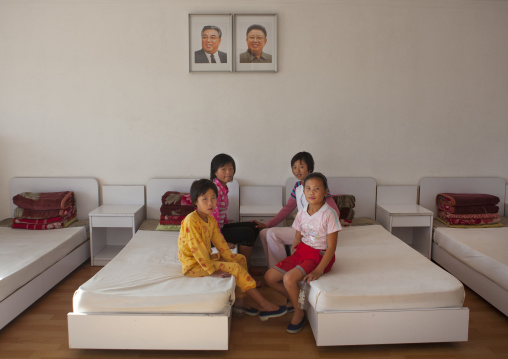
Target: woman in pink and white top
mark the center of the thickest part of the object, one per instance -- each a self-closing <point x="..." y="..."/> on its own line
<point x="313" y="250"/>
<point x="274" y="239"/>
<point x="222" y="171"/>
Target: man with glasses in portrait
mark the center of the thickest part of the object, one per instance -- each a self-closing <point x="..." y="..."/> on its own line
<point x="256" y="41"/>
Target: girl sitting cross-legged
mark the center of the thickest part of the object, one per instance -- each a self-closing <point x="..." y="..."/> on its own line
<point x="313" y="250"/>
<point x="198" y="231"/>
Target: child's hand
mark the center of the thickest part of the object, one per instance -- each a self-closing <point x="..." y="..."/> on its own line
<point x="220" y="274"/>
<point x="231" y="245"/>
<point x="314" y="275"/>
<point x="259" y="224"/>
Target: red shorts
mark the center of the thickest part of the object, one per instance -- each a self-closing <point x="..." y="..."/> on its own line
<point x="305" y="258"/>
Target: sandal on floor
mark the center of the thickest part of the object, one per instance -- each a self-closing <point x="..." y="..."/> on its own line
<point x="273" y="314"/>
<point x="249" y="311"/>
<point x="293" y="329"/>
<point x="290" y="309"/>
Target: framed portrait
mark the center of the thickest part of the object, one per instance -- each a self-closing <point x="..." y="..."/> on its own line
<point x="255" y="39"/>
<point x="210" y="42"/>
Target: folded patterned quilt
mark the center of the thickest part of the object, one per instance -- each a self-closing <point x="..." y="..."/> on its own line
<point x="44" y="201"/>
<point x="478" y="216"/>
<point x="467" y="199"/>
<point x="165" y="220"/>
<point x="63" y="219"/>
<point x="177" y="198"/>
<point x="41" y="214"/>
<point x="55" y="225"/>
<point x="172" y="210"/>
<point x="488" y="208"/>
<point x="493" y="222"/>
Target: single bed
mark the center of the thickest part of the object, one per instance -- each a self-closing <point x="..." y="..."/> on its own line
<point x="476" y="256"/>
<point x="380" y="290"/>
<point x="33" y="261"/>
<point x="141" y="300"/>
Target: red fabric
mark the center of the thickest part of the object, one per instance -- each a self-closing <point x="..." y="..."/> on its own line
<point x="306" y="257"/>
<point x="38" y="214"/>
<point x="165" y="220"/>
<point x="467" y="209"/>
<point x="446" y="215"/>
<point x="62" y="219"/>
<point x="44" y="201"/>
<point x="55" y="225"/>
<point x="176" y="210"/>
<point x="467" y="199"/>
<point x="176" y="198"/>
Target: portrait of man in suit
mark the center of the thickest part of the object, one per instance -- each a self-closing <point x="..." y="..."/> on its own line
<point x="210" y="41"/>
<point x="256" y="41"/>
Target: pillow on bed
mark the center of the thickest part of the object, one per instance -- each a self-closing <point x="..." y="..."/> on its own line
<point x="345" y="203"/>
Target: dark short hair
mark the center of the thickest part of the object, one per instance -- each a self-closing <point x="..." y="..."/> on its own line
<point x="219" y="161"/>
<point x="316" y="175"/>
<point x="212" y="27"/>
<point x="305" y="157"/>
<point x="256" y="27"/>
<point x="200" y="187"/>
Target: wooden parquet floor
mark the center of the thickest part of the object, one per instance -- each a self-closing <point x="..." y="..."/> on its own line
<point x="41" y="333"/>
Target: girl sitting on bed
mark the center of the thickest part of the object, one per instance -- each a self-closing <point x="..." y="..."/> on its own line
<point x="222" y="170"/>
<point x="198" y="231"/>
<point x="313" y="250"/>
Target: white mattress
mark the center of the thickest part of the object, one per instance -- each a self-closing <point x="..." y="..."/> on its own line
<point x="146" y="277"/>
<point x="374" y="270"/>
<point x="483" y="249"/>
<point x="24" y="254"/>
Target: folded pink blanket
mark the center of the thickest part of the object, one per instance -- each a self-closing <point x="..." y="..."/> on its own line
<point x="467" y="199"/>
<point x="44" y="201"/>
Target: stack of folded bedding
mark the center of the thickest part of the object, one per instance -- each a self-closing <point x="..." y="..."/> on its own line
<point x="345" y="204"/>
<point x="175" y="207"/>
<point x="468" y="209"/>
<point x="48" y="210"/>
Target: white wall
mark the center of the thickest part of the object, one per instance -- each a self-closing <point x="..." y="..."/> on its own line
<point x="396" y="90"/>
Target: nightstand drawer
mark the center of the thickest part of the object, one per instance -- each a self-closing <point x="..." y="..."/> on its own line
<point x="411" y="221"/>
<point x="111" y="221"/>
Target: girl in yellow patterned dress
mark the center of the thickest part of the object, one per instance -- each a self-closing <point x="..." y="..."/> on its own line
<point x="198" y="231"/>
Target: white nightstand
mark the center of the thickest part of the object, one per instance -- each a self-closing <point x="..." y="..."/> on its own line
<point x="409" y="222"/>
<point x="259" y="203"/>
<point x="112" y="225"/>
<point x="398" y="212"/>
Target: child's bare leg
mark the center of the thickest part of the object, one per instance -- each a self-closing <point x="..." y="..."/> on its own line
<point x="291" y="280"/>
<point x="273" y="279"/>
<point x="264" y="304"/>
<point x="246" y="251"/>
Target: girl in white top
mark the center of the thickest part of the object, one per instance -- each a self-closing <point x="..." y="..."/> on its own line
<point x="313" y="250"/>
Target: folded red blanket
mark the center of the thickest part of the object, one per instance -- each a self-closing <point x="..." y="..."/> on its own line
<point x="470" y="222"/>
<point x="488" y="208"/>
<point x="467" y="199"/>
<point x="165" y="220"/>
<point x="56" y="225"/>
<point x="448" y="215"/>
<point x="44" y="200"/>
<point x="39" y="214"/>
<point x="174" y="210"/>
<point x="62" y="219"/>
<point x="176" y="198"/>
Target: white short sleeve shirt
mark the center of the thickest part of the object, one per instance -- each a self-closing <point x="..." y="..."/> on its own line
<point x="315" y="228"/>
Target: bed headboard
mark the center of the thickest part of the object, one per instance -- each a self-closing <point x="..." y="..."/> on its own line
<point x="431" y="186"/>
<point x="363" y="188"/>
<point x="86" y="190"/>
<point x="156" y="187"/>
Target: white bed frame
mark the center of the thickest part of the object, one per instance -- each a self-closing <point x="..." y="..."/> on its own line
<point x="429" y="188"/>
<point x="382" y="326"/>
<point x="156" y="331"/>
<point x="87" y="199"/>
